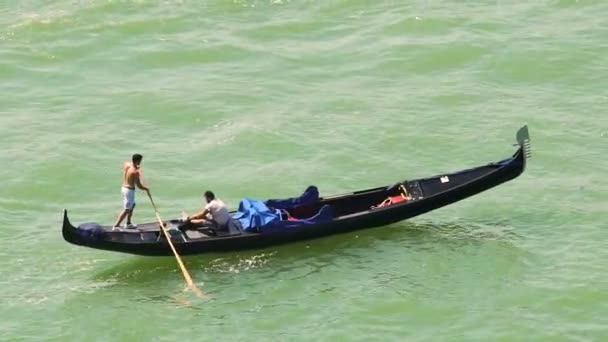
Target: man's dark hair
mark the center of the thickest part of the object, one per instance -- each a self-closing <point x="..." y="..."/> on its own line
<point x="137" y="158"/>
<point x="209" y="194"/>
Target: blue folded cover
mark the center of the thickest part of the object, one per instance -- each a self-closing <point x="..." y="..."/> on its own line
<point x="254" y="214"/>
<point x="311" y="195"/>
<point x="265" y="217"/>
<point x="325" y="214"/>
<point x="90" y="230"/>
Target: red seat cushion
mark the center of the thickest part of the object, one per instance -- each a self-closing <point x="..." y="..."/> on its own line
<point x="396" y="199"/>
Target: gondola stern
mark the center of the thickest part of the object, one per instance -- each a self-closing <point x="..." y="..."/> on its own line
<point x="67" y="228"/>
<point x="66" y="221"/>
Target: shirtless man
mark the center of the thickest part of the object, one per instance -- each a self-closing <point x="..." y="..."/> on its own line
<point x="130" y="178"/>
<point x="214" y="214"/>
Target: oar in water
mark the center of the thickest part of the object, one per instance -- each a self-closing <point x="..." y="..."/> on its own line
<point x="187" y="276"/>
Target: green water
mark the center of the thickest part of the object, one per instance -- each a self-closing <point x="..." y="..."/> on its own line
<point x="262" y="98"/>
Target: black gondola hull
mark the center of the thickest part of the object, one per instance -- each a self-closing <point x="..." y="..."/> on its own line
<point x="434" y="193"/>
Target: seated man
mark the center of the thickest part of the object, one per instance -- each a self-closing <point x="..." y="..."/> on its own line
<point x="214" y="215"/>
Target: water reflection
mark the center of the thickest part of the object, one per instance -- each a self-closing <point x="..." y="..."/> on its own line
<point x="311" y="255"/>
<point x="400" y="258"/>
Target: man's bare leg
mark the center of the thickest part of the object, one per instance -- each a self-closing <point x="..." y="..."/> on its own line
<point x="122" y="216"/>
<point x="130" y="215"/>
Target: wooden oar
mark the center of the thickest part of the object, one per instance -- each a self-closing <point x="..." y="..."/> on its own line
<point x="187" y="276"/>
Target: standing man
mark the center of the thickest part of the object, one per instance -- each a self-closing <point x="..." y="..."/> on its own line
<point x="131" y="178"/>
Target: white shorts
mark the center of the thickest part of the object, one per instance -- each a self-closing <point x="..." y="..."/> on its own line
<point x="128" y="198"/>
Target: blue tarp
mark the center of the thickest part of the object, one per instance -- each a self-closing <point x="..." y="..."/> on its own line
<point x="90" y="230"/>
<point x="255" y="215"/>
<point x="311" y="195"/>
<point x="325" y="214"/>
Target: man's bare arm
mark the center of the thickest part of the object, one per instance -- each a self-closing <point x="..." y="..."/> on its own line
<point x="138" y="182"/>
<point x="199" y="215"/>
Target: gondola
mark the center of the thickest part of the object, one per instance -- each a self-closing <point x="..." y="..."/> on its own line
<point x="310" y="218"/>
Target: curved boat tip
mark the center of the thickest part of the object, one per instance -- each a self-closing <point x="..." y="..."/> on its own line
<point x="66" y="220"/>
<point x="523" y="139"/>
